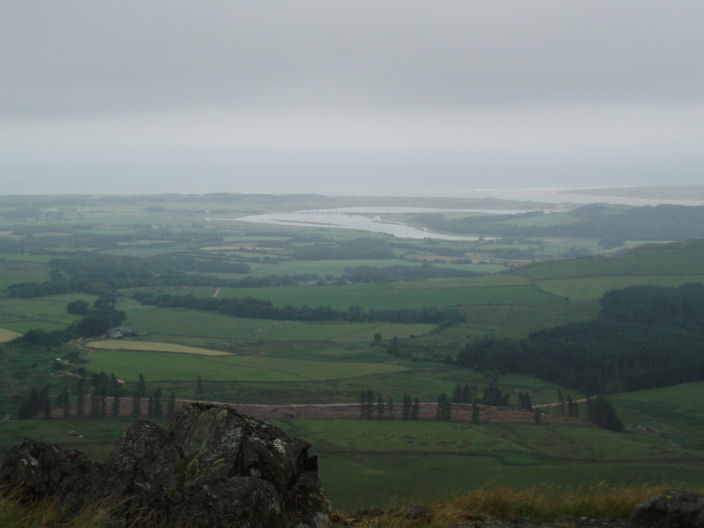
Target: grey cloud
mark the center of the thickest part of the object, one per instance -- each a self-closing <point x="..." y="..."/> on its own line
<point x="110" y="56"/>
<point x="241" y="95"/>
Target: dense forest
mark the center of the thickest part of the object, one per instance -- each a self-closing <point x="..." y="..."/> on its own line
<point x="644" y="336"/>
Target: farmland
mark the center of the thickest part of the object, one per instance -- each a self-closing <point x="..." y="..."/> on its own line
<point x="128" y="364"/>
<point x="165" y="246"/>
<point x="152" y="346"/>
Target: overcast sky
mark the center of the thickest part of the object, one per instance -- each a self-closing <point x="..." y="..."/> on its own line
<point x="354" y="97"/>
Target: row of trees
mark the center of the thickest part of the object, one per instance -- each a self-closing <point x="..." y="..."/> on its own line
<point x="263" y="309"/>
<point x="373" y="406"/>
<point x="96" y="392"/>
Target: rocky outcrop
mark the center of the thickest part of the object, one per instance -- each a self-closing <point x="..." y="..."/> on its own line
<point x="670" y="509"/>
<point x="210" y="467"/>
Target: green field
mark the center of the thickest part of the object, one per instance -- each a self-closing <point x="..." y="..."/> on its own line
<point x="95" y="437"/>
<point x="675" y="413"/>
<point x="395" y="296"/>
<point x="14" y="270"/>
<point x="593" y="288"/>
<point x="372" y="462"/>
<point x="47" y="312"/>
<point x="355" y="481"/>
<point x="181" y="322"/>
<point x="166" y="366"/>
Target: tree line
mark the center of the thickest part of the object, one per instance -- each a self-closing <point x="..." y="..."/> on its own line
<point x="262" y="309"/>
<point x="399" y="273"/>
<point x="90" y="398"/>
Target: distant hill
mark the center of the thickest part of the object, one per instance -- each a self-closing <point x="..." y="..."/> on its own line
<point x="612" y="225"/>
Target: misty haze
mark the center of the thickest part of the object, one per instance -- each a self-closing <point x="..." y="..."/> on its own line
<point x="328" y="264"/>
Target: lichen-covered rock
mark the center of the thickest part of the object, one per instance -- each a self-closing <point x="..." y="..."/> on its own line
<point x="210" y="467"/>
<point x="670" y="509"/>
<point x="35" y="470"/>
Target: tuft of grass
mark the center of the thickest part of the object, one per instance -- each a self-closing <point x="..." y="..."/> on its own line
<point x="503" y="503"/>
<point x="47" y="513"/>
<point x="506" y="503"/>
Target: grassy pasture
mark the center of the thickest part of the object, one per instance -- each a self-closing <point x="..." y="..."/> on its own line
<point x="684" y="258"/>
<point x="583" y="267"/>
<point x="323" y="267"/>
<point x="180" y="322"/>
<point x="355" y="481"/>
<point x="99" y="434"/>
<point x="14" y="270"/>
<point x="509" y="320"/>
<point x="47" y="312"/>
<point x="675" y="412"/>
<point x="167" y="366"/>
<point x="425" y="384"/>
<point x="365" y="463"/>
<point x="153" y="346"/>
<point x="508" y="442"/>
<point x="593" y="288"/>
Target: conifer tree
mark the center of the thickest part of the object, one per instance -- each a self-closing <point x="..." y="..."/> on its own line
<point x="415" y="410"/>
<point x="171" y="405"/>
<point x="81" y="393"/>
<point x="467" y="396"/>
<point x="199" y="389"/>
<point x="156" y="409"/>
<point x="444" y="408"/>
<point x="457" y="394"/>
<point x="45" y="402"/>
<point x="475" y="412"/>
<point x="561" y="399"/>
<point x="136" y="404"/>
<point x="407" y="403"/>
<point x="380" y="407"/>
<point x="141" y="387"/>
<point x="66" y="400"/>
<point x="370" y="404"/>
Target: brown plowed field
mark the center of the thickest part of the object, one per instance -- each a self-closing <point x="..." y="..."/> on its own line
<point x="461" y="412"/>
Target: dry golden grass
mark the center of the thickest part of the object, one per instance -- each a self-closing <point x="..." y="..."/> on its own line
<point x="7" y="335"/>
<point x="506" y="503"/>
<point x="47" y="514"/>
<point x="604" y="501"/>
<point x="154" y="346"/>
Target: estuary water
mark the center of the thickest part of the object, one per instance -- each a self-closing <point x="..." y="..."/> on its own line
<point x="364" y="219"/>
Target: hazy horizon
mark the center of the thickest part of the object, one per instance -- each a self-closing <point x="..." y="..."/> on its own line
<point x="349" y="98"/>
